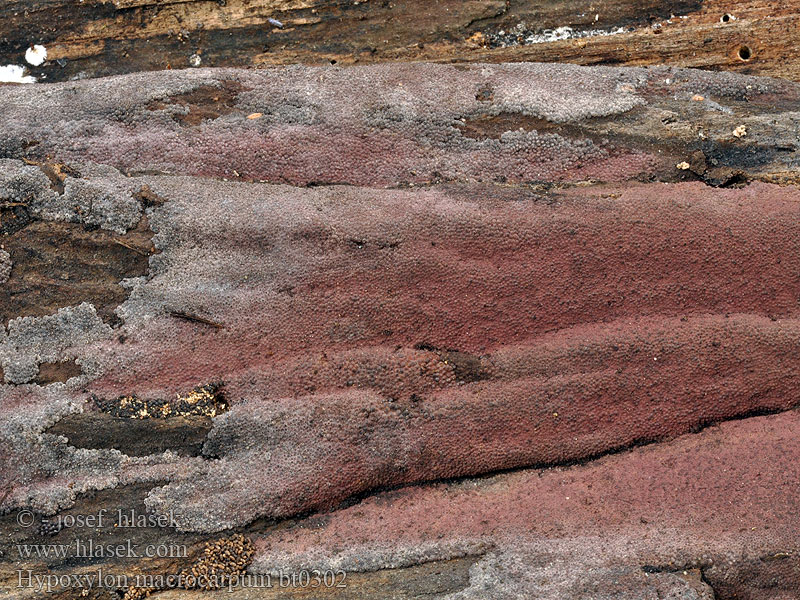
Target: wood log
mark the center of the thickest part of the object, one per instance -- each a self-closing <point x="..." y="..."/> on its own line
<point x="96" y="38"/>
<point x="422" y="330"/>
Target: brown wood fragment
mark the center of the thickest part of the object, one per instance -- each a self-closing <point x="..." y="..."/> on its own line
<point x="103" y="38"/>
<point x="57" y="371"/>
<point x="63" y="264"/>
<point x="195" y="319"/>
<point x="184" y="435"/>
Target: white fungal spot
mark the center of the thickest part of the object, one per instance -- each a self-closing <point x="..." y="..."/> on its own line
<point x="567" y="33"/>
<point x="683" y="166"/>
<point x="36" y="55"/>
<point x="15" y="74"/>
<point x="195" y="60"/>
<point x="521" y="35"/>
<point x="740" y="131"/>
<point x="275" y="22"/>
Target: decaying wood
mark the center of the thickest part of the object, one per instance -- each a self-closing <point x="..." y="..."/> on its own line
<point x="697" y="162"/>
<point x="399" y="283"/>
<point x="96" y="38"/>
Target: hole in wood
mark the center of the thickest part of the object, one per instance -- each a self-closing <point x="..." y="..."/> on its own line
<point x="745" y="53"/>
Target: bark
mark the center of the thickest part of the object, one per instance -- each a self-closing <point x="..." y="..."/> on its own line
<point x="458" y="331"/>
<point x="93" y="39"/>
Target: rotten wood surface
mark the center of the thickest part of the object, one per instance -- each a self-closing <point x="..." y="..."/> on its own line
<point x="457" y="289"/>
<point x="58" y="264"/>
<point x="96" y="38"/>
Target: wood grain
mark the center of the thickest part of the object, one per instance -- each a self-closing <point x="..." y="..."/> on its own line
<point x="97" y="38"/>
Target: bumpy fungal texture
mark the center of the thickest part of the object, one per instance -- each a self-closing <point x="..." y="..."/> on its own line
<point x="34" y="340"/>
<point x="101" y="197"/>
<point x="559" y="571"/>
<point x="369" y="338"/>
<point x="5" y="266"/>
<point x="410" y="321"/>
<point x="390" y="125"/>
<point x="561" y="399"/>
<point x="43" y="472"/>
<point x="455" y="268"/>
<point x="680" y="506"/>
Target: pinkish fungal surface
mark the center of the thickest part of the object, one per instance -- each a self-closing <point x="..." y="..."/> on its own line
<point x="424" y="303"/>
<point x="390" y="125"/>
<point x="396" y="324"/>
<point x="709" y="501"/>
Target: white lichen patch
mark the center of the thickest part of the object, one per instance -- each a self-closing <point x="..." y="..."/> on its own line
<point x="567" y="33"/>
<point x="15" y="74"/>
<point x="521" y="35"/>
<point x="36" y="55"/>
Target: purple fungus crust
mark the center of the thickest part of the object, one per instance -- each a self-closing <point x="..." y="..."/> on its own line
<point x="391" y="125"/>
<point x="475" y="312"/>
